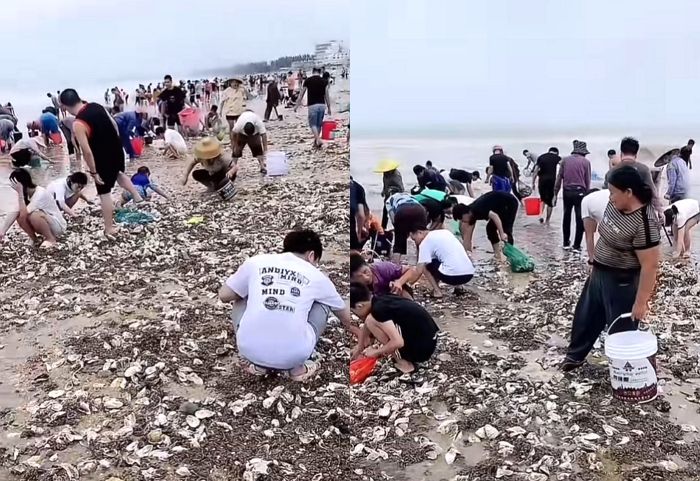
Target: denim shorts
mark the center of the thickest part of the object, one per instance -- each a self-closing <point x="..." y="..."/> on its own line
<point x="316" y="114"/>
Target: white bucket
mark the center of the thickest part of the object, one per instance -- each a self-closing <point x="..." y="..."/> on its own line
<point x="277" y="164"/>
<point x="632" y="361"/>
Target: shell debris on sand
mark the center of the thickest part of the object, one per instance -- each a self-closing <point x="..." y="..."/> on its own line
<point x="140" y="377"/>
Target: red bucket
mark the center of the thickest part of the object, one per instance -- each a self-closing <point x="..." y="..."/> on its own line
<point x="56" y="138"/>
<point x="190" y="118"/>
<point x="327" y="129"/>
<point x="533" y="205"/>
<point x="137" y="145"/>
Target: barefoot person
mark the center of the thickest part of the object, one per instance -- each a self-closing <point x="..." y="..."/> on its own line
<point x="498" y="208"/>
<point x="625" y="263"/>
<point x="216" y="167"/>
<point x="250" y="130"/>
<point x="38" y="212"/>
<point x="282" y="303"/>
<point x="545" y="171"/>
<point x="381" y="277"/>
<point x="319" y="99"/>
<point x="97" y="134"/>
<point x="66" y="191"/>
<point x="441" y="258"/>
<point x="683" y="217"/>
<point x="174" y="144"/>
<point x="28" y="152"/>
<point x="144" y="184"/>
<point x="403" y="328"/>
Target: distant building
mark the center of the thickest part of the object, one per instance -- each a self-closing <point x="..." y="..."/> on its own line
<point x="332" y="53"/>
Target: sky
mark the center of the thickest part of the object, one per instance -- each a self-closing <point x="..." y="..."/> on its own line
<point x="54" y="43"/>
<point x="443" y="64"/>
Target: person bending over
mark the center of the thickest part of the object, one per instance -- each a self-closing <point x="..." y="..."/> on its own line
<point x="144" y="183"/>
<point x="174" y="143"/>
<point x="216" y="168"/>
<point x="404" y="329"/>
<point x="38" y="212"/>
<point x="66" y="191"/>
<point x="282" y="303"/>
<point x="498" y="208"/>
<point x="683" y="217"/>
<point x="441" y="258"/>
<point x="593" y="207"/>
<point x="28" y="152"/>
<point x="381" y="277"/>
<point x="250" y="130"/>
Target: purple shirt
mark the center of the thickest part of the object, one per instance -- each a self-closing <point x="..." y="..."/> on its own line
<point x="575" y="171"/>
<point x="384" y="273"/>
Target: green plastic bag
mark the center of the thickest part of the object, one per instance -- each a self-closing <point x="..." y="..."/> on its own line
<point x="519" y="261"/>
<point x="132" y="217"/>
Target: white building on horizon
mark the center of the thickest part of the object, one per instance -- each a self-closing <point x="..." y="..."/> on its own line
<point x="332" y="53"/>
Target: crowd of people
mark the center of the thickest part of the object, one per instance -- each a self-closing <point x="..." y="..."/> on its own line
<point x="290" y="299"/>
<point x="621" y="223"/>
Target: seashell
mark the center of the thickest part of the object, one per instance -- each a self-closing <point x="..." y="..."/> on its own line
<point x="451" y="455"/>
<point x="56" y="394"/>
<point x="112" y="403"/>
<point x="192" y="421"/>
<point x="487" y="432"/>
<point x="155" y="436"/>
<point x="131" y="371"/>
<point x="119" y="383"/>
<point x="669" y="466"/>
<point x="620" y="420"/>
<point x="204" y="414"/>
<point x="384" y="411"/>
<point x="183" y="471"/>
<point x="590" y="437"/>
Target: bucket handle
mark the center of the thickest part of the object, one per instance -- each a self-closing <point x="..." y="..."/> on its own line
<point x="628" y="315"/>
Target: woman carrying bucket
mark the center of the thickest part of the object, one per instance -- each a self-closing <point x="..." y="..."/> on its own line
<point x="624" y="265"/>
<point x="218" y="173"/>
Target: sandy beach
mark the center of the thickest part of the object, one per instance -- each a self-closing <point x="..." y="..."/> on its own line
<point x="120" y="361"/>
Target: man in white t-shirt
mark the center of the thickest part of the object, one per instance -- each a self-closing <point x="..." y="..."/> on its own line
<point x="682" y="216"/>
<point x="593" y="207"/>
<point x="174" y="143"/>
<point x="441" y="257"/>
<point x="67" y="190"/>
<point x="282" y="307"/>
<point x="250" y="130"/>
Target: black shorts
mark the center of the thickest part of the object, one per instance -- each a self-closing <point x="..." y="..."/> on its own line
<point x="546" y="188"/>
<point x="507" y="216"/>
<point x="192" y="99"/>
<point x="172" y="119"/>
<point x="109" y="172"/>
<point x="434" y="269"/>
<point x="239" y="141"/>
<point x="419" y="352"/>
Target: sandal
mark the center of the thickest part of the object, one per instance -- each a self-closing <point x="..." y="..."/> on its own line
<point x="256" y="370"/>
<point x="310" y="369"/>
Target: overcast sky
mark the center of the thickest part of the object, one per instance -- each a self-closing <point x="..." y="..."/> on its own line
<point x="65" y="41"/>
<point x="589" y="63"/>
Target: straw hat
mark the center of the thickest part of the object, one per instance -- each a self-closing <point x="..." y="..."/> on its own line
<point x="386" y="165"/>
<point x="207" y="149"/>
<point x="236" y="79"/>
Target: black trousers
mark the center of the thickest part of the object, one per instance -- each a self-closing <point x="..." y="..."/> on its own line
<point x="572" y="200"/>
<point x="211" y="180"/>
<point x="605" y="296"/>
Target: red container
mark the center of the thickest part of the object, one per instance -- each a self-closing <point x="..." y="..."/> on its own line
<point x="190" y="118"/>
<point x="327" y="129"/>
<point x="533" y="205"/>
<point x="56" y="138"/>
<point x="361" y="369"/>
<point x="137" y="144"/>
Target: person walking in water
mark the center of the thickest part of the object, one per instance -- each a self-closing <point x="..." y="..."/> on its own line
<point x="575" y="179"/>
<point x="546" y="171"/>
<point x="98" y="136"/>
<point x="678" y="173"/>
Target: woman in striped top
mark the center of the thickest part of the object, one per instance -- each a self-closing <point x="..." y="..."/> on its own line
<point x="624" y="264"/>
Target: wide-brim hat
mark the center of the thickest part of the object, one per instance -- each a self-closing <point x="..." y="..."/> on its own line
<point x="580" y="148"/>
<point x="207" y="149"/>
<point x="236" y="79"/>
<point x="386" y="165"/>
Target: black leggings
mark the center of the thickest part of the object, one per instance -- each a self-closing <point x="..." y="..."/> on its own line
<point x="211" y="180"/>
<point x="507" y="215"/>
<point x="572" y="200"/>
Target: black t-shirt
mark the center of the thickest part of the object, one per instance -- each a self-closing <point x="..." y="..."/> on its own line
<point x="174" y="100"/>
<point x="547" y="164"/>
<point x="357" y="197"/>
<point x="500" y="162"/>
<point x="417" y="326"/>
<point x="316" y="86"/>
<point x="499" y="202"/>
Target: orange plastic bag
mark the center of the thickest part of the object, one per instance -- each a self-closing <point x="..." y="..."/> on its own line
<point x="361" y="369"/>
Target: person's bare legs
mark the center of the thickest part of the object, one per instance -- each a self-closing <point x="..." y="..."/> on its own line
<point x="26" y="226"/>
<point x="434" y="286"/>
<point x="261" y="161"/>
<point x="497" y="251"/>
<point x="376" y="329"/>
<point x="125" y="183"/>
<point x="549" y="214"/>
<point x="107" y="207"/>
<point x="686" y="243"/>
<point x="678" y="241"/>
<point x="40" y="225"/>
